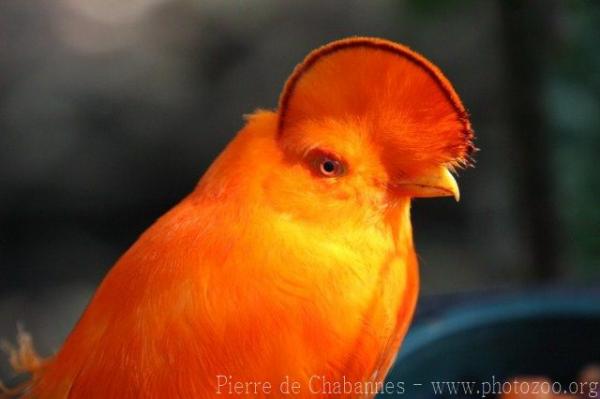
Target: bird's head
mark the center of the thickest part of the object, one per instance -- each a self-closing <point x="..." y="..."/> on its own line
<point x="370" y="113"/>
<point x="366" y="120"/>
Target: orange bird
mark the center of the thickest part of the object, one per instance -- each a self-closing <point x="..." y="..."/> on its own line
<point x="290" y="269"/>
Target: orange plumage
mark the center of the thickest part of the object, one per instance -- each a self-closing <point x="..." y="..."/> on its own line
<point x="293" y="257"/>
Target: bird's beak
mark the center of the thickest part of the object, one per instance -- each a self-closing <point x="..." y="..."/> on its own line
<point x="436" y="182"/>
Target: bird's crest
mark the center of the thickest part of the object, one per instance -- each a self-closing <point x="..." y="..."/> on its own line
<point x="405" y="99"/>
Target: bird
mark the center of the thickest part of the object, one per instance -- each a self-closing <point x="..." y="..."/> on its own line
<point x="291" y="264"/>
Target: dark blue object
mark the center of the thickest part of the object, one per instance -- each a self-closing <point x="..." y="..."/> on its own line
<point x="547" y="334"/>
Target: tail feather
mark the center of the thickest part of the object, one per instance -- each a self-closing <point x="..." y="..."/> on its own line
<point x="24" y="359"/>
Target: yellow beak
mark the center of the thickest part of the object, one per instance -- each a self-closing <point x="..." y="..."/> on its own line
<point x="437" y="182"/>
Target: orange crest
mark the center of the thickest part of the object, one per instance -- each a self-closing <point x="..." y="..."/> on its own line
<point x="407" y="103"/>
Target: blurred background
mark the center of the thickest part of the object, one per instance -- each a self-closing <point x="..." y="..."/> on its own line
<point x="111" y="110"/>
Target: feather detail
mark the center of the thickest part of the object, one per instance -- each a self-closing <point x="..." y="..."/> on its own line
<point x="406" y="100"/>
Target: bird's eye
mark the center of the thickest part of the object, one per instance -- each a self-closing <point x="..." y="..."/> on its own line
<point x="328" y="166"/>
